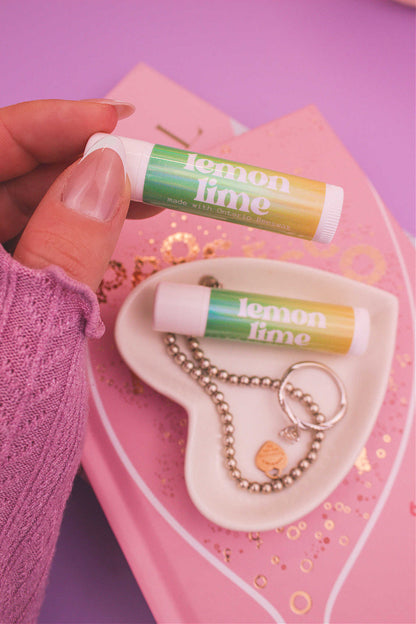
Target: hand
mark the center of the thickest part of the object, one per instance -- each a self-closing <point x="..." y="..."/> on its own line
<point x="69" y="215"/>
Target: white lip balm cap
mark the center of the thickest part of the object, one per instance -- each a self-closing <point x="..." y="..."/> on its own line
<point x="361" y="335"/>
<point x="137" y="154"/>
<point x="330" y="215"/>
<point x="103" y="141"/>
<point x="181" y="308"/>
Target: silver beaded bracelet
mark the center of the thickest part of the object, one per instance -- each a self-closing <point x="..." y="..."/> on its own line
<point x="271" y="459"/>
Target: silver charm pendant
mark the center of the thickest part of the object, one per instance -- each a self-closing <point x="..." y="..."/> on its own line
<point x="290" y="434"/>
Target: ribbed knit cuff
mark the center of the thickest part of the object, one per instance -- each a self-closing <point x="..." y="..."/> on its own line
<point x="45" y="318"/>
<point x="12" y="273"/>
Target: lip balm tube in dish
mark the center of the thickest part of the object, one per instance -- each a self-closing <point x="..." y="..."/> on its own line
<point x="263" y="319"/>
<point x="222" y="189"/>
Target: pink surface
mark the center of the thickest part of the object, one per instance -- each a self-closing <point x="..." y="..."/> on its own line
<point x="327" y="562"/>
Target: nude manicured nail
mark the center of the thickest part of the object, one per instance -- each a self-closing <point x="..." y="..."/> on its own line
<point x="96" y="185"/>
<point x="123" y="109"/>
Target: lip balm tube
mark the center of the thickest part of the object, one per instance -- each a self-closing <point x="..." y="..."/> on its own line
<point x="222" y="189"/>
<point x="262" y="319"/>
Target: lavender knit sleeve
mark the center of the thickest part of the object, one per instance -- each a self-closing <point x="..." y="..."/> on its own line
<point x="45" y="320"/>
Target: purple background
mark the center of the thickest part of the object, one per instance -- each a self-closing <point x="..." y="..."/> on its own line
<point x="256" y="60"/>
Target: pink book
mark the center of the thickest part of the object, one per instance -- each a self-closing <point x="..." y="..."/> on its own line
<point x="348" y="560"/>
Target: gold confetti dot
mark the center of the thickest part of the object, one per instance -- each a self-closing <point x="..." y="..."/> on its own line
<point x="344" y="540"/>
<point x="362" y="463"/>
<point x="300" y="602"/>
<point x="329" y="525"/>
<point x="302" y="525"/>
<point x="339" y="506"/>
<point x="386" y="438"/>
<point x="255" y="537"/>
<point x="381" y="453"/>
<point x="327" y="505"/>
<point x="318" y="535"/>
<point x="179" y="238"/>
<point x="275" y="559"/>
<point x="151" y="241"/>
<point x="260" y="581"/>
<point x="293" y="532"/>
<point x="306" y="565"/>
<point x="184" y="217"/>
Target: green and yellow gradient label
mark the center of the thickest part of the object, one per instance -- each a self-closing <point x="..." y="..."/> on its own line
<point x="276" y="320"/>
<point x="230" y="191"/>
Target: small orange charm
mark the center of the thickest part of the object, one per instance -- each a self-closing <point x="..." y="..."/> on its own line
<point x="271" y="459"/>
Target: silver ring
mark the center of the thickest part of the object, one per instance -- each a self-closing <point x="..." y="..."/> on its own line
<point x="342" y="407"/>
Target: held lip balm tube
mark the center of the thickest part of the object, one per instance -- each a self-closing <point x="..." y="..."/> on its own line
<point x="263" y="319"/>
<point x="221" y="189"/>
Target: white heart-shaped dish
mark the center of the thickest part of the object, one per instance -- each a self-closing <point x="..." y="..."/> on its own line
<point x="257" y="415"/>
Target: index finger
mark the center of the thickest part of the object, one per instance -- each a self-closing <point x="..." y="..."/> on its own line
<point x="49" y="131"/>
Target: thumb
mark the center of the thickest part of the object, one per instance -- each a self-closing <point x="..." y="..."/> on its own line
<point x="78" y="222"/>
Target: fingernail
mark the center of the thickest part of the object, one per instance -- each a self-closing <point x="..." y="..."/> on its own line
<point x="123" y="109"/>
<point x="97" y="182"/>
